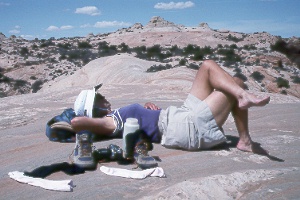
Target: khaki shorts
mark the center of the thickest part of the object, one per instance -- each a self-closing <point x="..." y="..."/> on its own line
<point x="190" y="127"/>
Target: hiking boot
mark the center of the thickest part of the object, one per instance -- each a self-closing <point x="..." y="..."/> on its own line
<point x="83" y="150"/>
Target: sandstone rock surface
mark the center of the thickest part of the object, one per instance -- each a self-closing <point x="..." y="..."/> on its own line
<point x="223" y="173"/>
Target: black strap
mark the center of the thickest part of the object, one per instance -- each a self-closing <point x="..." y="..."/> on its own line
<point x="67" y="168"/>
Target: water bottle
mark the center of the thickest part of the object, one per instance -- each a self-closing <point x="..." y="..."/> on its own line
<point x="129" y="138"/>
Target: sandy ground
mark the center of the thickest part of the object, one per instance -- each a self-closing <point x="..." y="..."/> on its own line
<point x="223" y="173"/>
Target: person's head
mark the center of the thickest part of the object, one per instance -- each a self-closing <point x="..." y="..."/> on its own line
<point x="91" y="104"/>
<point x="101" y="106"/>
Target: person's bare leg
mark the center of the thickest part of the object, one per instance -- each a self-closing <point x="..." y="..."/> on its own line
<point x="245" y="142"/>
<point x="242" y="124"/>
<point x="241" y="121"/>
<point x="221" y="105"/>
<point x="211" y="76"/>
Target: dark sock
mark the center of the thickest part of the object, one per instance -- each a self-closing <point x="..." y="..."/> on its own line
<point x="44" y="171"/>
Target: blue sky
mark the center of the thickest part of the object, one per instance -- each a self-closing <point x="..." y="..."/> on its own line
<point x="68" y="18"/>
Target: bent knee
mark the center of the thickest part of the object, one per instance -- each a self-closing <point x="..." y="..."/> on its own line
<point x="208" y="63"/>
<point x="209" y="66"/>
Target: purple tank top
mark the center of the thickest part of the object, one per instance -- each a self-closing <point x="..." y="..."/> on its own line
<point x="148" y="119"/>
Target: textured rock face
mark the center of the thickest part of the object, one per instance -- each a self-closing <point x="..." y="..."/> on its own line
<point x="137" y="26"/>
<point x="159" y="22"/>
<point x="2" y="36"/>
<point x="204" y="25"/>
<point x="222" y="173"/>
<point x="25" y="66"/>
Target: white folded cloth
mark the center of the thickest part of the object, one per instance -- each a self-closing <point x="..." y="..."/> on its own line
<point x="59" y="185"/>
<point x="125" y="173"/>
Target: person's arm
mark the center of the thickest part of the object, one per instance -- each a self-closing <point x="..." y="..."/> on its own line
<point x="99" y="126"/>
<point x="151" y="106"/>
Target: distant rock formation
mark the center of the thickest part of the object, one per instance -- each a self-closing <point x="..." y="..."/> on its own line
<point x="223" y="31"/>
<point x="28" y="65"/>
<point x="159" y="22"/>
<point x="204" y="25"/>
<point x="137" y="26"/>
<point x="90" y="35"/>
<point x="2" y="36"/>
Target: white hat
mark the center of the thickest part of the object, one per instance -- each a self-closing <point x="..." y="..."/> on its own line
<point x="84" y="103"/>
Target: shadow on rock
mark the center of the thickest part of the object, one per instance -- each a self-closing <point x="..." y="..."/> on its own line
<point x="232" y="142"/>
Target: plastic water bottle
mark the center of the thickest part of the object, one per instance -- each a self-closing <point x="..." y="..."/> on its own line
<point x="130" y="127"/>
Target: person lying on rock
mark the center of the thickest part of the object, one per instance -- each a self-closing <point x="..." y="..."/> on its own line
<point x="196" y="125"/>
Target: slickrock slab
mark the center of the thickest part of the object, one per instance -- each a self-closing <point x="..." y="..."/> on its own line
<point x="223" y="173"/>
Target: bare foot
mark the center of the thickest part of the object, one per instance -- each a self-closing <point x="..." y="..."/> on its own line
<point x="244" y="146"/>
<point x="248" y="100"/>
<point x="253" y="147"/>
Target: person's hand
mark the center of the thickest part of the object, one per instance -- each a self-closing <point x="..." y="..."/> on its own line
<point x="151" y="106"/>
